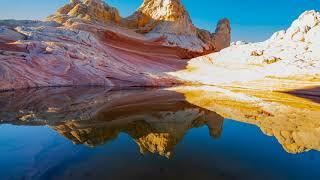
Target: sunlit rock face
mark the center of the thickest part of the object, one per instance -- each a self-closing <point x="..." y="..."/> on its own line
<point x="305" y="29"/>
<point x="86" y="10"/>
<point x="170" y="20"/>
<point x="86" y="42"/>
<point x="167" y="21"/>
<point x="168" y="16"/>
<point x="292" y="54"/>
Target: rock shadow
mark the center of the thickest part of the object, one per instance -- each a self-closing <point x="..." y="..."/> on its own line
<point x="312" y="94"/>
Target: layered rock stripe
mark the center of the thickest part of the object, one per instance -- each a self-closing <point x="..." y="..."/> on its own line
<point x="88" y="43"/>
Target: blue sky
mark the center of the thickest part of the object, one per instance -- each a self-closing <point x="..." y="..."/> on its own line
<point x="252" y="20"/>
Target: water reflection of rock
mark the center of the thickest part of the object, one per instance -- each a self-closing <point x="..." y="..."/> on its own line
<point x="157" y="120"/>
<point x="293" y="121"/>
<point x="157" y="132"/>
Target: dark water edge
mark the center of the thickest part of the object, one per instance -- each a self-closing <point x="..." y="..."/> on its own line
<point x="242" y="152"/>
<point x="135" y="134"/>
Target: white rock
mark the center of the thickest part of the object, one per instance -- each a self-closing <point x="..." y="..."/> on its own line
<point x="291" y="53"/>
<point x="237" y="43"/>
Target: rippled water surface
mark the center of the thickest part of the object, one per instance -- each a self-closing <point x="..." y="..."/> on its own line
<point x="93" y="133"/>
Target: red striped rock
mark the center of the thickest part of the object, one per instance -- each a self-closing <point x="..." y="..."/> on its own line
<point x="88" y="43"/>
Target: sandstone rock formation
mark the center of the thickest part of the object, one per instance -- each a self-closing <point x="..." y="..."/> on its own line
<point x="87" y="11"/>
<point x="304" y="29"/>
<point x="162" y="17"/>
<point x="157" y="19"/>
<point x="86" y="42"/>
<point x="293" y="54"/>
<point x="170" y="20"/>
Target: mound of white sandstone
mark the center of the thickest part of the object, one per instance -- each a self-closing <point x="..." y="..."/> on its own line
<point x="293" y="54"/>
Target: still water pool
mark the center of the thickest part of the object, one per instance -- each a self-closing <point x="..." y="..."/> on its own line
<point x="135" y="134"/>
